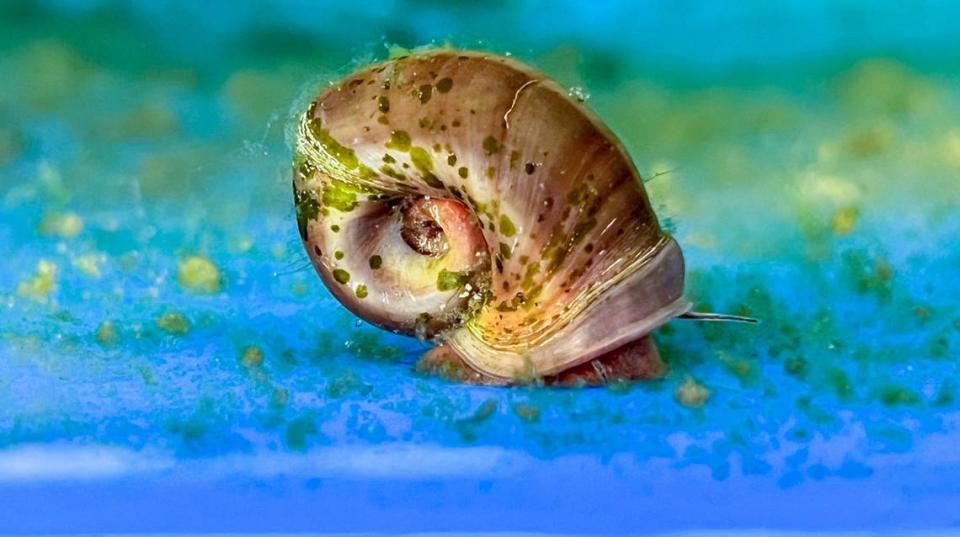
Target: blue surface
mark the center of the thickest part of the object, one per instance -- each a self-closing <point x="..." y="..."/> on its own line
<point x="169" y="361"/>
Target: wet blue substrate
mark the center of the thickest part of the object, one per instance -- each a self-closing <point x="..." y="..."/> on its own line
<point x="168" y="362"/>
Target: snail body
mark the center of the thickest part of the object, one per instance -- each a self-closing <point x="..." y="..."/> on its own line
<point x="466" y="198"/>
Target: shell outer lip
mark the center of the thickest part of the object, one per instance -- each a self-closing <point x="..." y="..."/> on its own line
<point x="664" y="272"/>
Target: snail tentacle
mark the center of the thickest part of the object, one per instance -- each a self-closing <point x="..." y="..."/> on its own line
<point x="718" y="317"/>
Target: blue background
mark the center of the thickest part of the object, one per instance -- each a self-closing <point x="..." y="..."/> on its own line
<point x="170" y="362"/>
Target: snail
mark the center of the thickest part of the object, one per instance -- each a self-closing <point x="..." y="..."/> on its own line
<point x="467" y="199"/>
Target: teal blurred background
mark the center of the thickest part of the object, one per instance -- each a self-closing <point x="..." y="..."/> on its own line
<point x="170" y="362"/>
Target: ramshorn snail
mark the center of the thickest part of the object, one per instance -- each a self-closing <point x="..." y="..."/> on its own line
<point x="466" y="198"/>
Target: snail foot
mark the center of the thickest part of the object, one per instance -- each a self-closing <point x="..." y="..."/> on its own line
<point x="637" y="360"/>
<point x="444" y="362"/>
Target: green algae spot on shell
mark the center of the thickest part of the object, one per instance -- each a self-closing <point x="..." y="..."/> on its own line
<point x="341" y="276"/>
<point x="399" y="140"/>
<point x="448" y="281"/>
<point x="174" y="323"/>
<point x="340" y="195"/>
<point x="341" y="153"/>
<point x="506" y="226"/>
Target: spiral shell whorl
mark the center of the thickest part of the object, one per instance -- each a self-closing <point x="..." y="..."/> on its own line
<point x="555" y="254"/>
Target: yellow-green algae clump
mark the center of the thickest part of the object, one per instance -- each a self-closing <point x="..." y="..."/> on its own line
<point x="691" y="393"/>
<point x="199" y="274"/>
<point x="39" y="286"/>
<point x="174" y="323"/>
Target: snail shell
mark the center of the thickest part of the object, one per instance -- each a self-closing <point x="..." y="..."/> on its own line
<point x="465" y="197"/>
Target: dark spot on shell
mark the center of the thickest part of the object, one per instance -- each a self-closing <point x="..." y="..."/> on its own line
<point x="452" y="160"/>
<point x="424" y="92"/>
<point x="444" y="84"/>
<point x="376" y="262"/>
<point x="341" y="276"/>
<point x="361" y="291"/>
<point x="463" y="172"/>
<point x="530" y="168"/>
<point x="383" y="104"/>
<point x="491" y="145"/>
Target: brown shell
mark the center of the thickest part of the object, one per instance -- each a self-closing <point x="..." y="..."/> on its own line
<point x="563" y="259"/>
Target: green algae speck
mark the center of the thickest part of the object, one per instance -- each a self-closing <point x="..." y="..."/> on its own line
<point x="199" y="274"/>
<point x="691" y="393"/>
<point x="174" y="323"/>
<point x="251" y="357"/>
<point x="527" y="413"/>
<point x="106" y="334"/>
